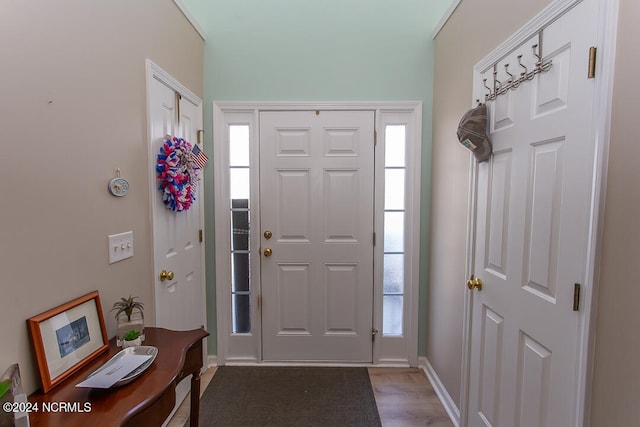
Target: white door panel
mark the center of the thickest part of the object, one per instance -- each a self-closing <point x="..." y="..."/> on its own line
<point x="531" y="237"/>
<point x="316" y="197"/>
<point x="179" y="302"/>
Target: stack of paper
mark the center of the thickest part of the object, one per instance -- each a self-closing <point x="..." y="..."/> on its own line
<point x="105" y="378"/>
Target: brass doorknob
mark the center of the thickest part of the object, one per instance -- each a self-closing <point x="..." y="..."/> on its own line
<point x="166" y="275"/>
<point x="474" y="282"/>
<point x="268" y="252"/>
<point x="268" y="234"/>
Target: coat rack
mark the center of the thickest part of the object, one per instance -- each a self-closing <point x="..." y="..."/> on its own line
<point x="500" y="88"/>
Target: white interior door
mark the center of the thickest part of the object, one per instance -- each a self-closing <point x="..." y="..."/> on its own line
<point x="316" y="198"/>
<point x="532" y="225"/>
<point x="180" y="300"/>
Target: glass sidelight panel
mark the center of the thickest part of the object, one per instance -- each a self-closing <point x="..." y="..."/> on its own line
<point x="241" y="313"/>
<point x="394" y="230"/>
<point x="240" y="191"/>
<point x="392" y="318"/>
<point x="393" y="276"/>
<point x="239" y="145"/>
<point x="240" y="272"/>
<point x="240" y="184"/>
<point x="394" y="180"/>
<point x="395" y="143"/>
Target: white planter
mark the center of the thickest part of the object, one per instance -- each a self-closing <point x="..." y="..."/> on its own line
<point x="132" y="343"/>
<point x="125" y="325"/>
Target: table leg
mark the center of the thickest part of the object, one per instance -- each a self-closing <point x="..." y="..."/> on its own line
<point x="195" y="399"/>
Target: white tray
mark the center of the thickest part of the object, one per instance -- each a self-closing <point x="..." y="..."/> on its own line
<point x="143" y="350"/>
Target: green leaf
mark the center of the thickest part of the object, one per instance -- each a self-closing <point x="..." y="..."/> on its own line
<point x="4" y="386"/>
<point x="131" y="335"/>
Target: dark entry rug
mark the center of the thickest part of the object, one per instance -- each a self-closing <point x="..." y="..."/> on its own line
<point x="289" y="396"/>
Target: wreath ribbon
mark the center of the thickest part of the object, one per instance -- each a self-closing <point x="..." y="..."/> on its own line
<point x="177" y="174"/>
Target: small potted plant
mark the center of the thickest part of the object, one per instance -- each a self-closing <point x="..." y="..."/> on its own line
<point x="129" y="316"/>
<point x="131" y="339"/>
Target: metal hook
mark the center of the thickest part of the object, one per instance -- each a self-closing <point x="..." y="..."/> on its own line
<point x="536" y="54"/>
<point x="497" y="84"/>
<point x="513" y="82"/>
<point x="484" y="82"/>
<point x="506" y="70"/>
<point x="524" y="73"/>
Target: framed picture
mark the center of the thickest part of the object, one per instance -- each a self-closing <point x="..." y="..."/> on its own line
<point x="68" y="337"/>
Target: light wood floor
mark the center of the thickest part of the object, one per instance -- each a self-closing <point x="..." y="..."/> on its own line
<point x="404" y="398"/>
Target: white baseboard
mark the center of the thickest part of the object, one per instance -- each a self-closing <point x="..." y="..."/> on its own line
<point x="212" y="361"/>
<point x="441" y="391"/>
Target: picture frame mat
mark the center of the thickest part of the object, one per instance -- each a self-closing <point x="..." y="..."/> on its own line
<point x="56" y="363"/>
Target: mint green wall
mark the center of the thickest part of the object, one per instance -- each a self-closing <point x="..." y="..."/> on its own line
<point x="329" y="50"/>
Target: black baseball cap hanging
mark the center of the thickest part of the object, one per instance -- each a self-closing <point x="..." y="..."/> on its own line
<point x="472" y="132"/>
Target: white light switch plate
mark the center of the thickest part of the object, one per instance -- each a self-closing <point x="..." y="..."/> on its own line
<point x="120" y="246"/>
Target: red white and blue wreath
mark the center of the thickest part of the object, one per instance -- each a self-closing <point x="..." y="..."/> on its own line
<point x="177" y="173"/>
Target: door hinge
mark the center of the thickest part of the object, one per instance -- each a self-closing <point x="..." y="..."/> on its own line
<point x="375" y="137"/>
<point x="374" y="238"/>
<point x="592" y="63"/>
<point x="200" y="236"/>
<point x="374" y="332"/>
<point x="199" y="135"/>
<point x="576" y="296"/>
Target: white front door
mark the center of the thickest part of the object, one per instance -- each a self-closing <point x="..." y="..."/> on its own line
<point x="180" y="299"/>
<point x="316" y="199"/>
<point x="532" y="225"/>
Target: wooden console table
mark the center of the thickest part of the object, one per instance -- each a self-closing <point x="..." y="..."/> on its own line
<point x="147" y="401"/>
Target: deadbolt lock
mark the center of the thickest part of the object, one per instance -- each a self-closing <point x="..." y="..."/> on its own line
<point x="268" y="234"/>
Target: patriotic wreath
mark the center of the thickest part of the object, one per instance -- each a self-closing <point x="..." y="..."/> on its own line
<point x="177" y="174"/>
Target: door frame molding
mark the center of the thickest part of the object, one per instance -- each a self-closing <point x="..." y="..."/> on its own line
<point x="601" y="118"/>
<point x="246" y="349"/>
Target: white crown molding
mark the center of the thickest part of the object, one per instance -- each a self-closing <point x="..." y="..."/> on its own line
<point x="192" y="20"/>
<point x="447" y="14"/>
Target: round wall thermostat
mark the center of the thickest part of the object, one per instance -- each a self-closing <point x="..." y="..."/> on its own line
<point x="119" y="187"/>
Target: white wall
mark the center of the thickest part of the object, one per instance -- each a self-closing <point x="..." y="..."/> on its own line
<point x="616" y="386"/>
